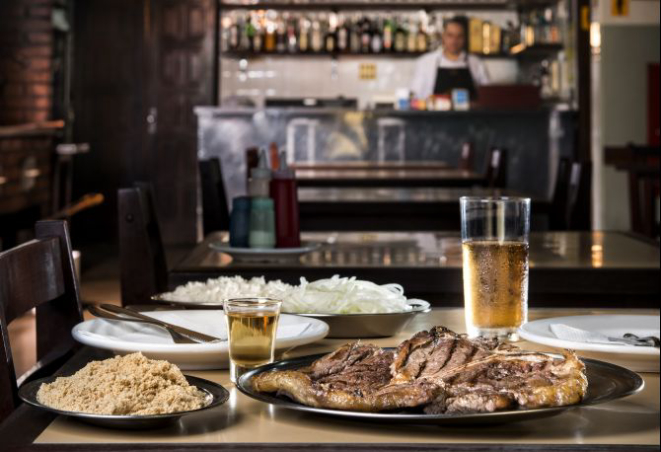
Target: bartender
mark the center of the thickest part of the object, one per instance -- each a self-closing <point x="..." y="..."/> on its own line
<point x="450" y="67"/>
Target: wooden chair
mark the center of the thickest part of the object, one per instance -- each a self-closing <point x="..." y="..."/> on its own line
<point x="559" y="202"/>
<point x="38" y="274"/>
<point x="578" y="195"/>
<point x="142" y="254"/>
<point x="467" y="158"/>
<point x="496" y="168"/>
<point x="643" y="169"/>
<point x="215" y="212"/>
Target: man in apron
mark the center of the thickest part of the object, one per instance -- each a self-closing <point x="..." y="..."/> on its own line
<point x="450" y="67"/>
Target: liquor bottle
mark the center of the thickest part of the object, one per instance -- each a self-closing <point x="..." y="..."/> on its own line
<point x="281" y="36"/>
<point x="247" y="43"/>
<point x="376" y="43"/>
<point x="316" y="39"/>
<point x="330" y="36"/>
<point x="235" y="32"/>
<point x="258" y="38"/>
<point x="400" y="38"/>
<point x="303" y="35"/>
<point x="388" y="35"/>
<point x="343" y="35"/>
<point x="269" y="39"/>
<point x="354" y="36"/>
<point x="422" y="40"/>
<point x="365" y="36"/>
<point x="292" y="40"/>
<point x="412" y="38"/>
<point x="245" y="40"/>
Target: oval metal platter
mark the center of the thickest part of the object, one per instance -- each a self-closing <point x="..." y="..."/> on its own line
<point x="215" y="393"/>
<point x="606" y="382"/>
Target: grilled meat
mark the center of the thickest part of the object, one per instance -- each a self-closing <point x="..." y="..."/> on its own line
<point x="436" y="370"/>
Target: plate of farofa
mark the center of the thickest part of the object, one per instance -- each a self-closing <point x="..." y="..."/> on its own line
<point x="438" y="377"/>
<point x="125" y="392"/>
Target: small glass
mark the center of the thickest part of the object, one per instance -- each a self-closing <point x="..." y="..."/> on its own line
<point x="494" y="236"/>
<point x="251" y="328"/>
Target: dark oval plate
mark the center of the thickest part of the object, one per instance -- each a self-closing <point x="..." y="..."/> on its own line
<point x="606" y="382"/>
<point x="216" y="396"/>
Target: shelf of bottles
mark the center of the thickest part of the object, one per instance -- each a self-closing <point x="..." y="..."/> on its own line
<point x="254" y="33"/>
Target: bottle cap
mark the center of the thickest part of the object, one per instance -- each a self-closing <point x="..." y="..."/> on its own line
<point x="262" y="203"/>
<point x="241" y="203"/>
<point x="262" y="171"/>
<point x="285" y="172"/>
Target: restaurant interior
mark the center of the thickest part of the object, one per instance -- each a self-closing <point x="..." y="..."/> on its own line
<point x="341" y="224"/>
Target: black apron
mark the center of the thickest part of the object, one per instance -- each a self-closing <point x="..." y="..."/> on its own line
<point x="448" y="79"/>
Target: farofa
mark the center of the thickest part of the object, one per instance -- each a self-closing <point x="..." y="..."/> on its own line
<point x="124" y="385"/>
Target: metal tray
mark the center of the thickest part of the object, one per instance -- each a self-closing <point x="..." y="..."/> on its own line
<point x="606" y="382"/>
<point x="265" y="254"/>
<point x="354" y="326"/>
<point x="357" y="326"/>
<point x="216" y="396"/>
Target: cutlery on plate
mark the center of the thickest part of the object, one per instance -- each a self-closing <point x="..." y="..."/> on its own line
<point x="129" y="315"/>
<point x="632" y="339"/>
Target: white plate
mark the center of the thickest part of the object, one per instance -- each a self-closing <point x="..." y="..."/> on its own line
<point x="637" y="358"/>
<point x="264" y="254"/>
<point x="156" y="343"/>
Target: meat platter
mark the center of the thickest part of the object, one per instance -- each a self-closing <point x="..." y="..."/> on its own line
<point x="438" y="377"/>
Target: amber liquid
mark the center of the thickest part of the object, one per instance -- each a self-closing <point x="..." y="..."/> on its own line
<point x="251" y="337"/>
<point x="495" y="287"/>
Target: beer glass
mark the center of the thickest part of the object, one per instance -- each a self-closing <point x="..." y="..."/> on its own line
<point x="494" y="236"/>
<point x="251" y="329"/>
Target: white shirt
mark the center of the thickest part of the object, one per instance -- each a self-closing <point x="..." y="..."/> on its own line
<point x="424" y="78"/>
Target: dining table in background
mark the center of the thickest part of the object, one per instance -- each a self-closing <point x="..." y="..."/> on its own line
<point x="397" y="209"/>
<point x="371" y="165"/>
<point x="390" y="177"/>
<point x="245" y="424"/>
<point x="595" y="269"/>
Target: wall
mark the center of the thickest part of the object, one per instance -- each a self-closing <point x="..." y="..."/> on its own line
<point x="628" y="45"/>
<point x="26" y="38"/>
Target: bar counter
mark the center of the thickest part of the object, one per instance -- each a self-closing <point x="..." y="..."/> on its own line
<point x="245" y="424"/>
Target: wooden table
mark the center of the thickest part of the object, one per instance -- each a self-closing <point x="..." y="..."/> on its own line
<point x="371" y="165"/>
<point x="396" y="209"/>
<point x="391" y="177"/>
<point x="598" y="269"/>
<point x="245" y="424"/>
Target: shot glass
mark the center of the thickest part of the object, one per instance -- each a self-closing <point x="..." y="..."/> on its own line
<point x="251" y="329"/>
<point x="494" y="236"/>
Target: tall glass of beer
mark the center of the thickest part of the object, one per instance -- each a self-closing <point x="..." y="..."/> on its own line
<point x="494" y="236"/>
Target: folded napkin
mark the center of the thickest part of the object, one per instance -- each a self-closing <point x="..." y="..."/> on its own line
<point x="569" y="333"/>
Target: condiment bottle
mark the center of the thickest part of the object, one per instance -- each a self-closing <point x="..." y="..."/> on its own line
<point x="240" y="222"/>
<point x="258" y="185"/>
<point x="275" y="160"/>
<point x="284" y="192"/>
<point x="262" y="223"/>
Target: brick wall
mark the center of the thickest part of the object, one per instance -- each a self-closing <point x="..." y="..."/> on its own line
<point x="26" y="49"/>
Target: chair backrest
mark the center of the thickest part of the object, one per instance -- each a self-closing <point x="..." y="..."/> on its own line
<point x="38" y="274"/>
<point x="467" y="158"/>
<point x="496" y="168"/>
<point x="215" y="212"/>
<point x="559" y="201"/>
<point x="142" y="254"/>
<point x="578" y="195"/>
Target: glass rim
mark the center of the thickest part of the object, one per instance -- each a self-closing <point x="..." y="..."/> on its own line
<point x="495" y="199"/>
<point x="252" y="301"/>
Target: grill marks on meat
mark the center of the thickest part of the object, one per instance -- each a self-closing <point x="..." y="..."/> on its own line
<point x="429" y="352"/>
<point x="355" y="377"/>
<point x="436" y="370"/>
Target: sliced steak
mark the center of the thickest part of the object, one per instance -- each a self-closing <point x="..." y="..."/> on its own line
<point x="511" y="380"/>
